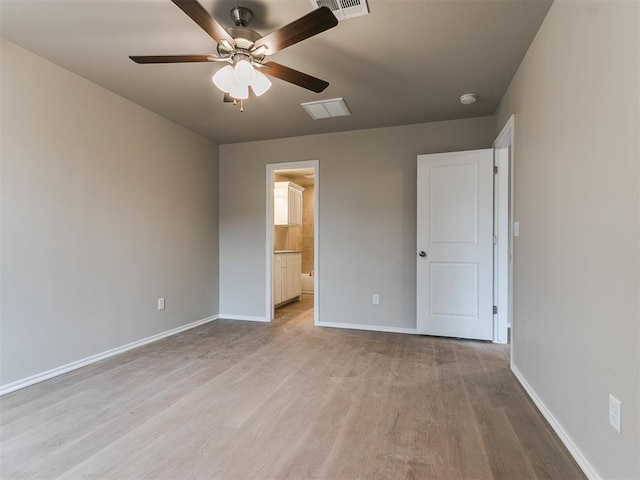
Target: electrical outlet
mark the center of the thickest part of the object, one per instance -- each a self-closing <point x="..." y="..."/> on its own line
<point x="615" y="413"/>
<point x="375" y="299"/>
<point x="161" y="304"/>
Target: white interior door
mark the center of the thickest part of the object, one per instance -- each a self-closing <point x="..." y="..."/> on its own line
<point x="455" y="244"/>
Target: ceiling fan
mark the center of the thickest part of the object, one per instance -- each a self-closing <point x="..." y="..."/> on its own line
<point x="245" y="50"/>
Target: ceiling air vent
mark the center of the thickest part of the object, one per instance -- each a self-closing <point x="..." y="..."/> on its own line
<point x="344" y="8"/>
<point x="334" y="107"/>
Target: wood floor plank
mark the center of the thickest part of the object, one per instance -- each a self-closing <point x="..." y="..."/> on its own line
<point x="237" y="400"/>
<point x="504" y="452"/>
<point x="115" y="422"/>
<point x="545" y="452"/>
<point x="467" y="456"/>
<point x="283" y="422"/>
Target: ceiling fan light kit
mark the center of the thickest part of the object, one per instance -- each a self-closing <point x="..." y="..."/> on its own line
<point x="245" y="50"/>
<point x="236" y="80"/>
<point x="243" y="72"/>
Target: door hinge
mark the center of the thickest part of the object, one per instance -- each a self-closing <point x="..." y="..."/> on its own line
<point x="495" y="310"/>
<point x="495" y="169"/>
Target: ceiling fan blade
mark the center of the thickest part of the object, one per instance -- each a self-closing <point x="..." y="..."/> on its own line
<point x="307" y="26"/>
<point x="294" y="76"/>
<point x="199" y="15"/>
<point x="172" y="58"/>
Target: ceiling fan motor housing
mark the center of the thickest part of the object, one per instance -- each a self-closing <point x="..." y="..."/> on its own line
<point x="244" y="37"/>
<point x="241" y="16"/>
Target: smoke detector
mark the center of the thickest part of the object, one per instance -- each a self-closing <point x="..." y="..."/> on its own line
<point x="468" y="98"/>
<point x="344" y="9"/>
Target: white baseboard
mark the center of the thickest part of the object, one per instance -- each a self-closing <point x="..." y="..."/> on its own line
<point x="372" y="328"/>
<point x="41" y="377"/>
<point x="245" y="318"/>
<point x="575" y="452"/>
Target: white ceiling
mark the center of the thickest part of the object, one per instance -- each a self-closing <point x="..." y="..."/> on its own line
<point x="406" y="62"/>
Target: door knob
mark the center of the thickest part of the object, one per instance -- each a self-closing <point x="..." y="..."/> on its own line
<point x="422" y="253"/>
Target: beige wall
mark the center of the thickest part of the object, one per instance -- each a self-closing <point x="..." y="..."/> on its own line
<point x="367" y="217"/>
<point x="105" y="207"/>
<point x="577" y="323"/>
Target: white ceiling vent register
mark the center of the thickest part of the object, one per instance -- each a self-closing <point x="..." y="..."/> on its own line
<point x="326" y="108"/>
<point x="344" y="8"/>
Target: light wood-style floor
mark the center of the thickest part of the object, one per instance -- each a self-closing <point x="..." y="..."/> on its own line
<point x="241" y="400"/>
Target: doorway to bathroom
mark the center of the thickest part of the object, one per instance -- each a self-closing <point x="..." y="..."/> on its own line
<point x="292" y="241"/>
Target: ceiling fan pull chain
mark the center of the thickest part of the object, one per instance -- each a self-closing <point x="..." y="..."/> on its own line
<point x="241" y="105"/>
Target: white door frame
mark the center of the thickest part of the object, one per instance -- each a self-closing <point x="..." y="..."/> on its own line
<point x="271" y="169"/>
<point x="503" y="216"/>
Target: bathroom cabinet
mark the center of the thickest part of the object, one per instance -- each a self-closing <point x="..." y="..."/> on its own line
<point x="287" y="204"/>
<point x="287" y="270"/>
